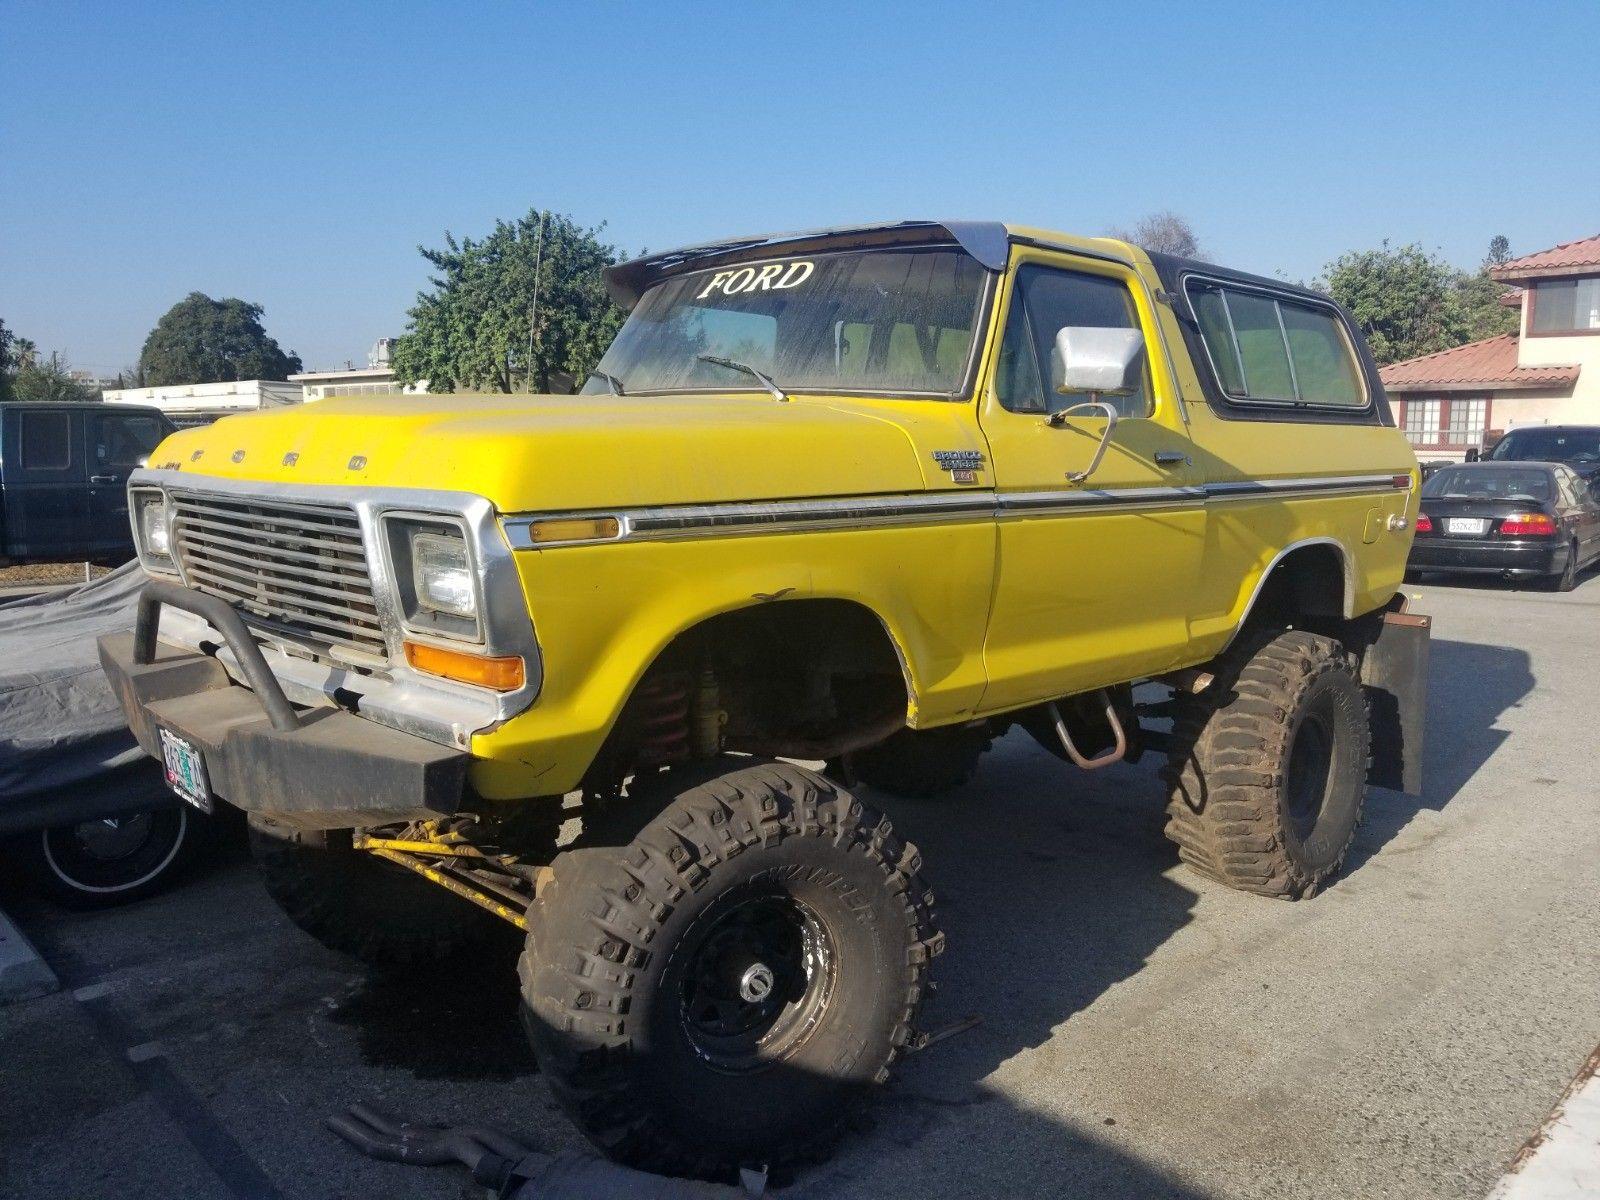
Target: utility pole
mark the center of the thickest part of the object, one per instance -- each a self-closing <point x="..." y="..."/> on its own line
<point x="533" y="315"/>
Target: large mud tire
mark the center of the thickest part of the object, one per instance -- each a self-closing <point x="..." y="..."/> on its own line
<point x="1268" y="767"/>
<point x="920" y="763"/>
<point x="359" y="905"/>
<point x="633" y="954"/>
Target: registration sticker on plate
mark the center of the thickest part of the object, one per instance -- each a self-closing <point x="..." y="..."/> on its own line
<point x="1471" y="526"/>
<point x="186" y="770"/>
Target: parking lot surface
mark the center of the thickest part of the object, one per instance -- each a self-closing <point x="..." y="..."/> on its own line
<point x="1144" y="1033"/>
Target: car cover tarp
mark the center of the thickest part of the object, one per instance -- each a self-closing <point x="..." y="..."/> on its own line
<point x="65" y="750"/>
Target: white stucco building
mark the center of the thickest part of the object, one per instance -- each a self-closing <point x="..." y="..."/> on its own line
<point x="376" y="378"/>
<point x="1547" y="373"/>
<point x="199" y="403"/>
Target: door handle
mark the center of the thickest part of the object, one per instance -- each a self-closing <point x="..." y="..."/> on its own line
<point x="1171" y="458"/>
<point x="104" y="479"/>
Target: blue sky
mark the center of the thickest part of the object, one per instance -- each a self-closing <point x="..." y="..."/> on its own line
<point x="296" y="154"/>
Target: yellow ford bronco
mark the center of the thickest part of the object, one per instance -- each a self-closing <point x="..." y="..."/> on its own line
<point x="861" y="498"/>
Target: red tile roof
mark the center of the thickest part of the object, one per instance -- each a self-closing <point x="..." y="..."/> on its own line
<point x="1569" y="258"/>
<point x="1490" y="364"/>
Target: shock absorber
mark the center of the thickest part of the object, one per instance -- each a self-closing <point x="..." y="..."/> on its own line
<point x="663" y="719"/>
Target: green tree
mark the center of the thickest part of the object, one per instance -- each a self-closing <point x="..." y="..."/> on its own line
<point x="7" y="341"/>
<point x="201" y="340"/>
<point x="532" y="283"/>
<point x="50" y="379"/>
<point x="1409" y="302"/>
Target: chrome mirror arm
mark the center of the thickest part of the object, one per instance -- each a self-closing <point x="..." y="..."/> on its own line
<point x="1059" y="418"/>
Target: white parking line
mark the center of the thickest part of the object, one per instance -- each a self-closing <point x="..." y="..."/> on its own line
<point x="1562" y="1160"/>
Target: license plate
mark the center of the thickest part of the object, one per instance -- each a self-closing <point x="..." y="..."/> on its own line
<point x="186" y="770"/>
<point x="1471" y="526"/>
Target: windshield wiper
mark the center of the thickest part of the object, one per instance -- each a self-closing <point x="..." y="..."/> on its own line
<point x="734" y="364"/>
<point x="612" y="382"/>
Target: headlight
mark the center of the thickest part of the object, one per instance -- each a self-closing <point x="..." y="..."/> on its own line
<point x="435" y="578"/>
<point x="151" y="530"/>
<point x="441" y="574"/>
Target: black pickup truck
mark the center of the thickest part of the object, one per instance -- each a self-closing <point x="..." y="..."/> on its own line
<point x="64" y="479"/>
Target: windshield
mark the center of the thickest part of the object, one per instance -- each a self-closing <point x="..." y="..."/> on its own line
<point x="1549" y="445"/>
<point x="900" y="320"/>
<point x="1488" y="484"/>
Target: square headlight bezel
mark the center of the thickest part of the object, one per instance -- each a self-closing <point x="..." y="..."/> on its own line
<point x="416" y="620"/>
<point x="139" y="499"/>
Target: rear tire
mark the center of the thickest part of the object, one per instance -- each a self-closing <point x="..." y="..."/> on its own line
<point x="723" y="991"/>
<point x="1268" y="767"/>
<point x="104" y="863"/>
<point x="1568" y="578"/>
<point x="919" y="763"/>
<point x="362" y="906"/>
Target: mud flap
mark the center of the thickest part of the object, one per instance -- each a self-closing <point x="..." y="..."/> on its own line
<point x="1394" y="672"/>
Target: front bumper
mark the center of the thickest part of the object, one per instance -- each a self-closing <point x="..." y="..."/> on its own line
<point x="314" y="769"/>
<point x="1476" y="556"/>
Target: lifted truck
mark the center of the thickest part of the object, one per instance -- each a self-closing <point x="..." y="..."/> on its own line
<point x="866" y="497"/>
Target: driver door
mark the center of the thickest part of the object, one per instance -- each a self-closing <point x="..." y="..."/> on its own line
<point x="1096" y="577"/>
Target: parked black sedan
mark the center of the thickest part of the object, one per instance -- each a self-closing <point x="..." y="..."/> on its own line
<point x="1512" y="519"/>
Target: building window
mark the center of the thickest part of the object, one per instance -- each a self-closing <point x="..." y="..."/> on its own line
<point x="1565" y="306"/>
<point x="1466" y="422"/>
<point x="1422" y="422"/>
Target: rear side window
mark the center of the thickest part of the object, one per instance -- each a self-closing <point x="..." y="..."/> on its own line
<point x="1276" y="350"/>
<point x="45" y="441"/>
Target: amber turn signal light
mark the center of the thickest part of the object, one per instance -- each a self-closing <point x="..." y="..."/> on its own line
<point x="573" y="529"/>
<point x="501" y="674"/>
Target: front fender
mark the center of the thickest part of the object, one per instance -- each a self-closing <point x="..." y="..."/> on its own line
<point x="604" y="613"/>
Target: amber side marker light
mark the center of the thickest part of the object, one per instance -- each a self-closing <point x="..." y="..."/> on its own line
<point x="573" y="529"/>
<point x="501" y="674"/>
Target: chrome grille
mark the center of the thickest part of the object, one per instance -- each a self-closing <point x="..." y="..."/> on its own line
<point x="298" y="571"/>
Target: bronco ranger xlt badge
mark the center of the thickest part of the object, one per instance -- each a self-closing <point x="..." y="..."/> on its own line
<point x="529" y="610"/>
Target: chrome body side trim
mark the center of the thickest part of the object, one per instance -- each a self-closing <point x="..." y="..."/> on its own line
<point x="395" y="694"/>
<point x="679" y="522"/>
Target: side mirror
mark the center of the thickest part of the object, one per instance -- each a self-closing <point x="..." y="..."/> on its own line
<point x="1089" y="358"/>
<point x="1472" y="454"/>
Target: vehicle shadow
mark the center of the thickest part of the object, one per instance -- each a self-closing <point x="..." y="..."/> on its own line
<point x="1470" y="685"/>
<point x="1052" y="888"/>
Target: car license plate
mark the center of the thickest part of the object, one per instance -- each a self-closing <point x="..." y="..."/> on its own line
<point x="1471" y="526"/>
<point x="186" y="770"/>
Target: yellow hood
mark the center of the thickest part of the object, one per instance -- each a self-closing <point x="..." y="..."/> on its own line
<point x="529" y="453"/>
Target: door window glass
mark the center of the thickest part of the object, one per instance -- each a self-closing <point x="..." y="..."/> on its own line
<point x="1043" y="301"/>
<point x="126" y="441"/>
<point x="45" y="441"/>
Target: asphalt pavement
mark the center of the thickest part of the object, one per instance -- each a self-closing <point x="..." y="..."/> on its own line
<point x="1144" y="1033"/>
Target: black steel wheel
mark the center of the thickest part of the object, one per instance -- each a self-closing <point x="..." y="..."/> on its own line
<point x="114" y="860"/>
<point x="724" y="990"/>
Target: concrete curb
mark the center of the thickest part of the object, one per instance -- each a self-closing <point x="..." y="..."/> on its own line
<point x="23" y="974"/>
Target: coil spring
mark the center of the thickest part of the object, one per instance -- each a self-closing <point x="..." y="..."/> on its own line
<point x="663" y="716"/>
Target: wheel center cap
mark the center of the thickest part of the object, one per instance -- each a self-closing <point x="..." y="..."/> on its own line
<point x="755" y="985"/>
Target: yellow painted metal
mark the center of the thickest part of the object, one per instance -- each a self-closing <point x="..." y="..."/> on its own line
<point x="1059" y="625"/>
<point x="443" y="849"/>
<point x="984" y="614"/>
<point x="450" y="883"/>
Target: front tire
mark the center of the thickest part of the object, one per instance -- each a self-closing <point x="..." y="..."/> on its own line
<point x="1268" y="767"/>
<point x="360" y="905"/>
<point x="722" y="991"/>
